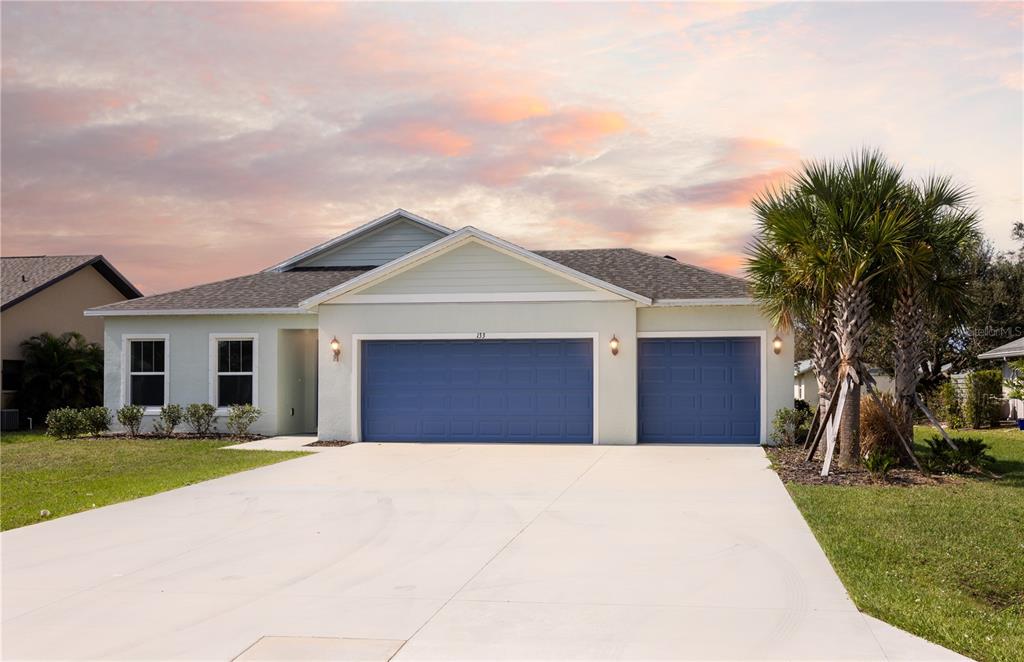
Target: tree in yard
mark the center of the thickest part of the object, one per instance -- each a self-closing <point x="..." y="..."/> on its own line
<point x="929" y="283"/>
<point x="60" y="371"/>
<point x="785" y="269"/>
<point x="845" y="225"/>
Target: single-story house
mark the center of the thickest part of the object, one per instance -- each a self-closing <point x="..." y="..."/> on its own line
<point x="1008" y="353"/>
<point x="805" y="385"/>
<point x="405" y="330"/>
<point x="48" y="293"/>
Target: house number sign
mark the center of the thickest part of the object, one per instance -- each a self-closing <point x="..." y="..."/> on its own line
<point x="480" y="335"/>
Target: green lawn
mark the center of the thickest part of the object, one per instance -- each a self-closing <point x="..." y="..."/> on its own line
<point x="65" y="477"/>
<point x="944" y="562"/>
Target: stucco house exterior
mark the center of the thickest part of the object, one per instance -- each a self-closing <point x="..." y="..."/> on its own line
<point x="49" y="293"/>
<point x="805" y="385"/>
<point x="1006" y="354"/>
<point x="405" y="330"/>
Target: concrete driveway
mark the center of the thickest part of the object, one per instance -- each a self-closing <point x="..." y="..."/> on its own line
<point x="446" y="552"/>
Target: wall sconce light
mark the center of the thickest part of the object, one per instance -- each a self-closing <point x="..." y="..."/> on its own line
<point x="777" y="345"/>
<point x="614" y="345"/>
<point x="336" y="348"/>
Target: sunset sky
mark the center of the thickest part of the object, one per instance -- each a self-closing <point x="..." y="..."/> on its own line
<point x="194" y="142"/>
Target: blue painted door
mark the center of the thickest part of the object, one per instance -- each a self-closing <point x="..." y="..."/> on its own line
<point x="478" y="390"/>
<point x="700" y="390"/>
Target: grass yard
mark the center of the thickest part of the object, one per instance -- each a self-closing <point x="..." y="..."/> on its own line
<point x="66" y="477"/>
<point x="945" y="562"/>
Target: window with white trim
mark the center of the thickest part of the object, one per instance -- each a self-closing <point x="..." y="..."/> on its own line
<point x="147" y="372"/>
<point x="234" y="382"/>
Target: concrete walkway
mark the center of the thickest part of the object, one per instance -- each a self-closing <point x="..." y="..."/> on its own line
<point x="291" y="442"/>
<point x="446" y="552"/>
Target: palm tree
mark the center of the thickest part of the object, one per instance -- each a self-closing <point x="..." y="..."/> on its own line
<point x="784" y="264"/>
<point x="929" y="282"/>
<point x="60" y="371"/>
<point x="825" y="241"/>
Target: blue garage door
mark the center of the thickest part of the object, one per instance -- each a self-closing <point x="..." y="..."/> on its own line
<point x="478" y="390"/>
<point x="700" y="390"/>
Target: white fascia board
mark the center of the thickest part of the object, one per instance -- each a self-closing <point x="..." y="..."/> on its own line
<point x="94" y="312"/>
<point x="480" y="297"/>
<point x="450" y="242"/>
<point x="358" y="232"/>
<point x="1008" y="354"/>
<point x="724" y="301"/>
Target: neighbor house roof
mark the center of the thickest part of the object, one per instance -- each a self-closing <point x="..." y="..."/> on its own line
<point x="24" y="276"/>
<point x="659" y="278"/>
<point x="265" y="292"/>
<point x="1010" y="349"/>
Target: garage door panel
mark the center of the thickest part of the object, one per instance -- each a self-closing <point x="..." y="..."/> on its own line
<point x="699" y="390"/>
<point x="500" y="390"/>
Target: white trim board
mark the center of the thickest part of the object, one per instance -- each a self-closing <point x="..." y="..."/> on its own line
<point x="126" y="371"/>
<point x="724" y="301"/>
<point x="478" y="297"/>
<point x="454" y="240"/>
<point x="763" y="335"/>
<point x="211" y="368"/>
<point x="356" y="432"/>
<point x="359" y="232"/>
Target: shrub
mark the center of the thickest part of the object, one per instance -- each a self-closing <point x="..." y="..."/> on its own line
<point x="96" y="420"/>
<point x="130" y="416"/>
<point x="950" y="406"/>
<point x="879" y="463"/>
<point x="64" y="423"/>
<point x="970" y="453"/>
<point x="877" y="435"/>
<point x="199" y="416"/>
<point x="241" y="418"/>
<point x="170" y="417"/>
<point x="789" y="426"/>
<point x="984" y="390"/>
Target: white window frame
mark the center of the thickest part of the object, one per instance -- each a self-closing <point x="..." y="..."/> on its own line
<point x="761" y="335"/>
<point x="215" y="338"/>
<point x="356" y="433"/>
<point x="126" y="365"/>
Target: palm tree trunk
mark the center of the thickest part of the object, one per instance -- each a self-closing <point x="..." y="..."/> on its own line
<point x="853" y="319"/>
<point x="908" y="353"/>
<point x="824" y="357"/>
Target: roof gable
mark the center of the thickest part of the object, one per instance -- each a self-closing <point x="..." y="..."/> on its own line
<point x="371" y="244"/>
<point x="1009" y="350"/>
<point x="511" y="274"/>
<point x="25" y="276"/>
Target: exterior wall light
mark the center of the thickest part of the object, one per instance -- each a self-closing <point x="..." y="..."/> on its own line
<point x="777" y="345"/>
<point x="336" y="348"/>
<point x="614" y="345"/>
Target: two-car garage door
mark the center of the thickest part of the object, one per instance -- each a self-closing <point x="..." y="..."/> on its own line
<point x="690" y="390"/>
<point x="531" y="390"/>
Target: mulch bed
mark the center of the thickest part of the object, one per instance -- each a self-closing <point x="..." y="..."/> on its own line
<point x="788" y="462"/>
<point x="329" y="443"/>
<point x="183" y="435"/>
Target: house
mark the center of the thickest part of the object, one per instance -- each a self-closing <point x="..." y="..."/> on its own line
<point x="49" y="293"/>
<point x="1007" y="354"/>
<point x="805" y="384"/>
<point x="405" y="330"/>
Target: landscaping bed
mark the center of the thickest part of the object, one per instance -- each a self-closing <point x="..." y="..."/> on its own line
<point x="940" y="559"/>
<point x="788" y="461"/>
<point x="62" y="477"/>
<point x="329" y="443"/>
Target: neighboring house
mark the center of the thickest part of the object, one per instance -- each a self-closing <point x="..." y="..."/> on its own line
<point x="50" y="293"/>
<point x="405" y="330"/>
<point x="1007" y="353"/>
<point x="805" y="385"/>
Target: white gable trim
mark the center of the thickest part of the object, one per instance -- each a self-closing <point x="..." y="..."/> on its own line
<point x="721" y="301"/>
<point x="359" y="232"/>
<point x="450" y="242"/>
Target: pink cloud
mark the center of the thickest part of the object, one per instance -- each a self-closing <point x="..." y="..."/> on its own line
<point x="579" y="130"/>
<point x="421" y="137"/>
<point x="505" y="109"/>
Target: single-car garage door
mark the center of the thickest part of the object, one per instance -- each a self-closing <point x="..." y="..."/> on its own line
<point x="700" y="390"/>
<point x="477" y="390"/>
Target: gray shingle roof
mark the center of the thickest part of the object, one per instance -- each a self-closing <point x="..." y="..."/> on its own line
<point x="652" y="276"/>
<point x="267" y="289"/>
<point x="23" y="276"/>
<point x="642" y="273"/>
<point x="1010" y="349"/>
